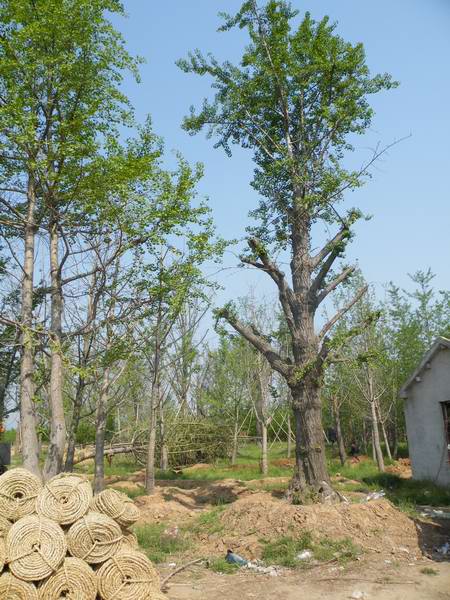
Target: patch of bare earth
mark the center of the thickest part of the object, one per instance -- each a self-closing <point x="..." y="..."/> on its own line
<point x="374" y="579"/>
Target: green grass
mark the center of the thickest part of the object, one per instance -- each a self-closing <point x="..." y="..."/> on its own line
<point x="157" y="545"/>
<point x="220" y="565"/>
<point x="406" y="494"/>
<point x="208" y="522"/>
<point x="132" y="492"/>
<point x="284" y="550"/>
<point x="429" y="571"/>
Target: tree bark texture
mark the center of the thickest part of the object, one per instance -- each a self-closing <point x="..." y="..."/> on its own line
<point x="100" y="431"/>
<point x="55" y="456"/>
<point x="339" y="436"/>
<point x="28" y="424"/>
<point x="164" y="463"/>
<point x="289" y="437"/>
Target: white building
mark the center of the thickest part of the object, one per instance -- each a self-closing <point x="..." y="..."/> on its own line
<point x="427" y="410"/>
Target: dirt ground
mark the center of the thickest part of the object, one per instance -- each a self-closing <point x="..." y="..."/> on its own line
<point x="375" y="581"/>
<point x="395" y="548"/>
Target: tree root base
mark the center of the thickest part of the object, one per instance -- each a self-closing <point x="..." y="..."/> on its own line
<point x="300" y="492"/>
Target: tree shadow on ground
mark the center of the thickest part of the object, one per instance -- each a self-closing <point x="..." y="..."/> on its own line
<point x="213" y="495"/>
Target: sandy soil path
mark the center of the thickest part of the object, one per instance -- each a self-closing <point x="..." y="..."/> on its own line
<point x="400" y="583"/>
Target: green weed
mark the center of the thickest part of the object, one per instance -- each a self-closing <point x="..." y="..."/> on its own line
<point x="429" y="571"/>
<point x="208" y="522"/>
<point x="220" y="565"/>
<point x="283" y="551"/>
<point x="158" y="546"/>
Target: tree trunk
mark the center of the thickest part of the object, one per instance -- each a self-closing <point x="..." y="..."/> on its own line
<point x="55" y="456"/>
<point x="289" y="436"/>
<point x="311" y="481"/>
<point x="383" y="431"/>
<point x="340" y="439"/>
<point x="309" y="434"/>
<point x="81" y="382"/>
<point x="365" y="442"/>
<point x="29" y="438"/>
<point x="150" y="471"/>
<point x="395" y="436"/>
<point x="164" y="463"/>
<point x="100" y="430"/>
<point x="73" y="429"/>
<point x="234" y="451"/>
<point x="264" y="453"/>
<point x="376" y="438"/>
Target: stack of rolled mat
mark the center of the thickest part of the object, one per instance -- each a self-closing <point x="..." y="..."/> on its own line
<point x="59" y="541"/>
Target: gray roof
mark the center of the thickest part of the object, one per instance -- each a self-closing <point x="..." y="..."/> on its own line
<point x="439" y="344"/>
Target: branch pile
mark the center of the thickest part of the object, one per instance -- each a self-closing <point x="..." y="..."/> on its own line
<point x="58" y="541"/>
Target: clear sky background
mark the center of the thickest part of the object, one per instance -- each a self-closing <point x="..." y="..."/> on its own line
<point x="408" y="195"/>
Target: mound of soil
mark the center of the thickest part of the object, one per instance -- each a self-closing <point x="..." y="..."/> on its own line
<point x="176" y="504"/>
<point x="402" y="468"/>
<point x="375" y="526"/>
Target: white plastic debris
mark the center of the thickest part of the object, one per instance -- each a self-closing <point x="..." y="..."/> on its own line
<point x="358" y="595"/>
<point x="304" y="555"/>
<point x="445" y="549"/>
<point x="374" y="496"/>
<point x="172" y="565"/>
<point x="256" y="567"/>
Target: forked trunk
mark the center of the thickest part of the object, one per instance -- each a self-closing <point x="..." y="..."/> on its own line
<point x="28" y="428"/>
<point x="383" y="431"/>
<point x="55" y="456"/>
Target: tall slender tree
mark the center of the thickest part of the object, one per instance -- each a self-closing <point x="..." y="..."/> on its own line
<point x="297" y="98"/>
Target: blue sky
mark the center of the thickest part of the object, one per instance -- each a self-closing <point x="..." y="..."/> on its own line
<point x="408" y="195"/>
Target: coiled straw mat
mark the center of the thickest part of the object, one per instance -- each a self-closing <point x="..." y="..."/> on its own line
<point x="94" y="538"/>
<point x="12" y="588"/>
<point x="65" y="498"/>
<point x="74" y="579"/>
<point x="18" y="492"/>
<point x="128" y="576"/>
<point x="35" y="548"/>
<point x="116" y="505"/>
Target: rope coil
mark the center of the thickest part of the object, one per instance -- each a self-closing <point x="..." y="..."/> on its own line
<point x="74" y="579"/>
<point x="2" y="554"/>
<point x="5" y="526"/>
<point x="116" y="505"/>
<point x="18" y="492"/>
<point x="12" y="588"/>
<point x="94" y="538"/>
<point x="128" y="576"/>
<point x="35" y="548"/>
<point x="65" y="498"/>
<point x="130" y="540"/>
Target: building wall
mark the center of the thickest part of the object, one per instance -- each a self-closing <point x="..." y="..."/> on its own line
<point x="425" y="424"/>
